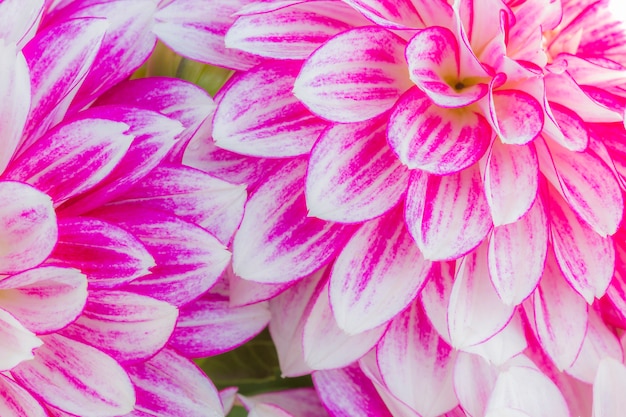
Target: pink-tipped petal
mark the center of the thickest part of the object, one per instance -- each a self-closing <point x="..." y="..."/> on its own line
<point x="45" y="299"/>
<point x="172" y="385"/>
<point x="76" y="378"/>
<point x="475" y="312"/>
<point x="129" y="327"/>
<point x="377" y="274"/>
<point x="516" y="116"/>
<point x="28" y="224"/>
<point x="517" y="254"/>
<point x="511" y="181"/>
<point x="16" y="341"/>
<point x="355" y="76"/>
<point x="258" y="114"/>
<point x="447" y="216"/>
<point x="107" y="254"/>
<point x="277" y="242"/>
<point x="416" y="364"/>
<point x="434" y="139"/>
<point x="352" y="174"/>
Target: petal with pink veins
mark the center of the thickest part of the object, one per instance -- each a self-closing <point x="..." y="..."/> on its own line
<point x="189" y="260"/>
<point x="196" y="29"/>
<point x="208" y="326"/>
<point x="28" y="224"/>
<point x="560" y="316"/>
<point x="83" y="152"/>
<point x="129" y="327"/>
<point x="377" y="274"/>
<point x="107" y="254"/>
<point x="447" y="216"/>
<point x="434" y="58"/>
<point x="475" y="311"/>
<point x="575" y="135"/>
<point x="192" y="195"/>
<point x="59" y="59"/>
<point x="353" y="175"/>
<point x="586" y="259"/>
<point x="277" y="242"/>
<point x="434" y="139"/>
<point x="44" y="299"/>
<point x="517" y="254"/>
<point x="17" y="342"/>
<point x="389" y="14"/>
<point x="516" y="116"/>
<point x="15" y="401"/>
<point x="169" y="384"/>
<point x="355" y="76"/>
<point x="292" y="32"/>
<point x="474" y="379"/>
<point x="416" y="364"/>
<point x="258" y="114"/>
<point x="435" y="296"/>
<point x="325" y="345"/>
<point x="347" y="392"/>
<point x="76" y="378"/>
<point x="511" y="181"/>
<point x="608" y="388"/>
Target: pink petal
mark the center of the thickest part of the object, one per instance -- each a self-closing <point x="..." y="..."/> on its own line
<point x="83" y="152"/>
<point x="189" y="260"/>
<point x="228" y="396"/>
<point x="560" y="316"/>
<point x="129" y="327"/>
<point x="196" y="30"/>
<point x="447" y="216"/>
<point x="259" y="115"/>
<point x="289" y="312"/>
<point x="608" y="387"/>
<point x="586" y="183"/>
<point x="586" y="259"/>
<point x="208" y="326"/>
<point x="108" y="255"/>
<point x="511" y="181"/>
<point x="59" y="59"/>
<point x="292" y="32"/>
<point x="390" y="14"/>
<point x="355" y="76"/>
<point x="377" y="274"/>
<point x="29" y="227"/>
<point x="15" y="401"/>
<point x="347" y="392"/>
<point x="16" y="341"/>
<point x="193" y="196"/>
<point x="155" y="135"/>
<point x="177" y="99"/>
<point x="325" y="345"/>
<point x="475" y="312"/>
<point x="474" y="379"/>
<point x="434" y="139"/>
<point x="575" y="136"/>
<point x="298" y="402"/>
<point x="417" y="365"/>
<point x="76" y="378"/>
<point x="516" y="116"/>
<point x="244" y="292"/>
<point x="435" y="296"/>
<point x="169" y="385"/>
<point x="434" y="63"/>
<point x="45" y="299"/>
<point x="517" y="254"/>
<point x="523" y="391"/>
<point x="352" y="174"/>
<point x="277" y="242"/>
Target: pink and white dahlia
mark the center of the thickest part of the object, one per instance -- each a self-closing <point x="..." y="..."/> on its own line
<point x="108" y="241"/>
<point x="452" y="174"/>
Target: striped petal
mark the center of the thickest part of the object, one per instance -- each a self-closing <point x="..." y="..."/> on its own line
<point x="574" y="132"/>
<point x="129" y="327"/>
<point x="258" y="114"/>
<point x="76" y="378"/>
<point x="516" y="116"/>
<point x="517" y="254"/>
<point x="390" y="14"/>
<point x="352" y="174"/>
<point x="355" y="76"/>
<point x="435" y="296"/>
<point x="417" y="365"/>
<point x="277" y="242"/>
<point x="435" y="139"/>
<point x="377" y="274"/>
<point x="447" y="216"/>
<point x="15" y="401"/>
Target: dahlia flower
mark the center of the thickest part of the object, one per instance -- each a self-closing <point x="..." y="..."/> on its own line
<point x="436" y="198"/>
<point x="109" y="243"/>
